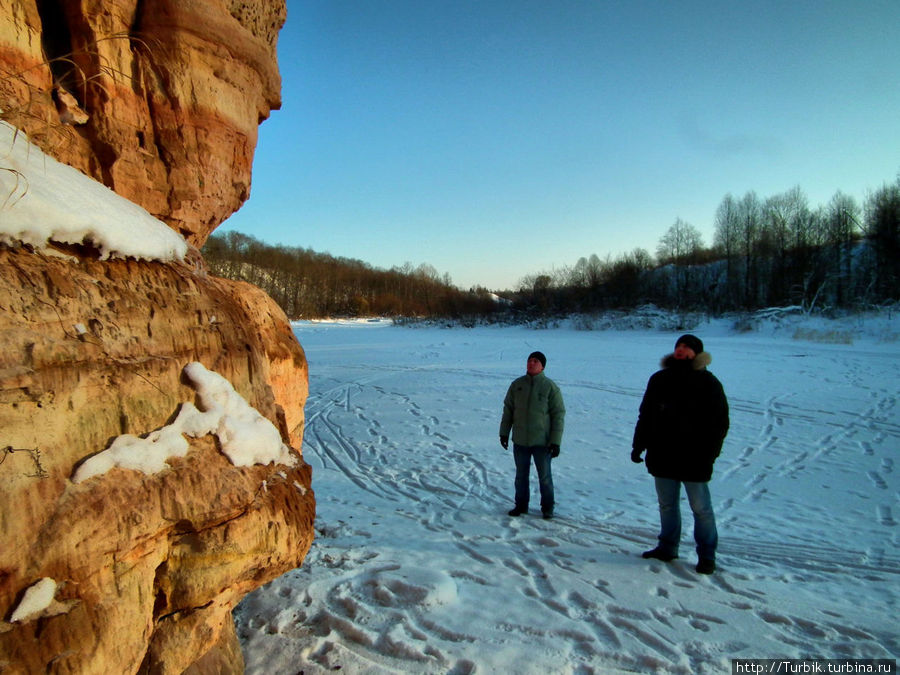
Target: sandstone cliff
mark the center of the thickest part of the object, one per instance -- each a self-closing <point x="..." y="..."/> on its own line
<point x="160" y="102"/>
<point x="149" y="567"/>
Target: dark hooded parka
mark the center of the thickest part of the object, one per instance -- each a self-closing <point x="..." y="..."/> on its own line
<point x="683" y="420"/>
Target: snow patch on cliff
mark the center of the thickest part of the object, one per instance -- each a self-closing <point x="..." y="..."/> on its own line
<point x="246" y="437"/>
<point x="44" y="201"/>
<point x="38" y="597"/>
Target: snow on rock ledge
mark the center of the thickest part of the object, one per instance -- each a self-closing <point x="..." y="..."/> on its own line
<point x="36" y="599"/>
<point x="46" y="201"/>
<point x="246" y="437"/>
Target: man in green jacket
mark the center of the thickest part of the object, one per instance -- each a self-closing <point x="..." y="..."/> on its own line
<point x="533" y="409"/>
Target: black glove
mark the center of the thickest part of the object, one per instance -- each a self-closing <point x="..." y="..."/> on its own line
<point x="636" y="456"/>
<point x="504" y="441"/>
<point x="554" y="450"/>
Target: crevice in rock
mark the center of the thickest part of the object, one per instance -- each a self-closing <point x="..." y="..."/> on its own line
<point x="184" y="611"/>
<point x="161" y="597"/>
<point x="56" y="41"/>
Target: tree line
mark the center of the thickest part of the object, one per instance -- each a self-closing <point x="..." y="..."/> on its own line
<point x="766" y="252"/>
<point x="311" y="285"/>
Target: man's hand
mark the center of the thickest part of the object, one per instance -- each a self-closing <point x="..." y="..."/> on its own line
<point x="504" y="441"/>
<point x="554" y="450"/>
<point x="636" y="456"/>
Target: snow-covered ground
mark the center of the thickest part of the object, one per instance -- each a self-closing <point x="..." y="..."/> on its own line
<point x="416" y="567"/>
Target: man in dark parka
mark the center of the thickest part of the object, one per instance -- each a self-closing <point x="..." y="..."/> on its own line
<point x="682" y="424"/>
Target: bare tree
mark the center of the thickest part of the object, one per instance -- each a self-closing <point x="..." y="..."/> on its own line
<point x="883" y="230"/>
<point x="681" y="246"/>
<point x="748" y="221"/>
<point x="842" y="227"/>
<point x="727" y="242"/>
<point x="781" y="214"/>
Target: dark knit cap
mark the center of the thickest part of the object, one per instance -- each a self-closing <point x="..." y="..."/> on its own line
<point x="691" y="341"/>
<point x="540" y="357"/>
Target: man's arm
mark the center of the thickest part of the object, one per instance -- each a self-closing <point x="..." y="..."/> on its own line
<point x="641" y="427"/>
<point x="720" y="412"/>
<point x="506" y="419"/>
<point x="557" y="410"/>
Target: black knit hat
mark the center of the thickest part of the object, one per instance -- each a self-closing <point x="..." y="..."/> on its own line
<point x="540" y="357"/>
<point x="691" y="341"/>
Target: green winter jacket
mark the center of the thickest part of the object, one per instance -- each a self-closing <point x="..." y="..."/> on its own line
<point x="534" y="410"/>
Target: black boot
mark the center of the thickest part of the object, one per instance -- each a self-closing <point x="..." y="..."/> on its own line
<point x="659" y="554"/>
<point x="706" y="566"/>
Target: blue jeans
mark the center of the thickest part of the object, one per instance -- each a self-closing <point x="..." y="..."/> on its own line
<point x="668" y="491"/>
<point x="541" y="455"/>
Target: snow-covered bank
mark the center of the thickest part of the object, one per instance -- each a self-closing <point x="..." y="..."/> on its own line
<point x="417" y="568"/>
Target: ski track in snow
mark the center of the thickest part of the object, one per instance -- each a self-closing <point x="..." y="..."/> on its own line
<point x="416" y="567"/>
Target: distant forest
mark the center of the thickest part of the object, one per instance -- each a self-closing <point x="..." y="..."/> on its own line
<point x="766" y="252"/>
<point x="311" y="285"/>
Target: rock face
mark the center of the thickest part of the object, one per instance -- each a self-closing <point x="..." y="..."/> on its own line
<point x="149" y="567"/>
<point x="160" y="100"/>
<point x="161" y="103"/>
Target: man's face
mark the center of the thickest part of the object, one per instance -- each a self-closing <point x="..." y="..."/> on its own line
<point x="533" y="367"/>
<point x="683" y="352"/>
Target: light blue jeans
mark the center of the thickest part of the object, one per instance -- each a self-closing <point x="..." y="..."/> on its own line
<point x="541" y="455"/>
<point x="668" y="492"/>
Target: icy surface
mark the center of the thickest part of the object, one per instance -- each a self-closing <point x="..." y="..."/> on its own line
<point x="417" y="568"/>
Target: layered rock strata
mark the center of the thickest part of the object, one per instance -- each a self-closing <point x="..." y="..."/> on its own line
<point x="160" y="100"/>
<point x="148" y="566"/>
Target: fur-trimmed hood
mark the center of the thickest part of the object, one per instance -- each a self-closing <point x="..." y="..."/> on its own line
<point x="700" y="362"/>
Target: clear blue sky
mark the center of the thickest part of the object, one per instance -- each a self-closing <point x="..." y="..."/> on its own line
<point x="498" y="138"/>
